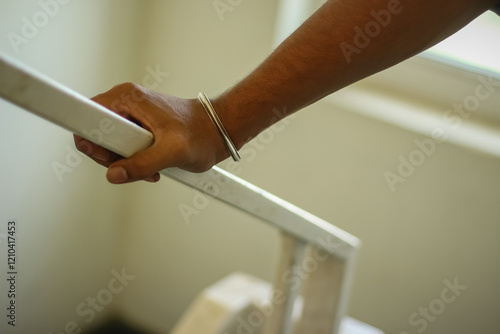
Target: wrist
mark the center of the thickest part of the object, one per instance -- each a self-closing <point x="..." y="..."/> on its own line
<point x="228" y="115"/>
<point x="214" y="117"/>
<point x="207" y="137"/>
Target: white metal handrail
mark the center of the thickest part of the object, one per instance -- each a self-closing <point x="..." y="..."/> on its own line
<point x="36" y="93"/>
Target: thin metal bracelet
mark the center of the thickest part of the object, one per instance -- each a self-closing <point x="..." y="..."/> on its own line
<point x="207" y="105"/>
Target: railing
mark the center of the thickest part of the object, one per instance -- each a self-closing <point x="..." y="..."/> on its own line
<point x="308" y="242"/>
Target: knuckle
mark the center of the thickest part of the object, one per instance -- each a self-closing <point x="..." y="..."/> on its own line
<point x="84" y="147"/>
<point x="126" y="86"/>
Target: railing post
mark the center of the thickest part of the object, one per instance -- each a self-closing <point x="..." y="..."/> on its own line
<point x="322" y="291"/>
<point x="286" y="287"/>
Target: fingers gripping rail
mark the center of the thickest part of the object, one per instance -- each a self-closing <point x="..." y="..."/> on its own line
<point x="60" y="105"/>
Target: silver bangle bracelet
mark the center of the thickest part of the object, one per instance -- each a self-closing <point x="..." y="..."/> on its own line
<point x="207" y="105"/>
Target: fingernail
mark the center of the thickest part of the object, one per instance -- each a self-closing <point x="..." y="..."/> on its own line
<point x="153" y="178"/>
<point x="101" y="155"/>
<point x="117" y="175"/>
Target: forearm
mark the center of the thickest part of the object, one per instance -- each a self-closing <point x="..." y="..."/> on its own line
<point x="327" y="53"/>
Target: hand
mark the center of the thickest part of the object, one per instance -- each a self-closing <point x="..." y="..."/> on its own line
<point x="184" y="135"/>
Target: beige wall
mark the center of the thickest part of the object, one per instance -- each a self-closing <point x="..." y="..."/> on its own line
<point x="68" y="239"/>
<point x="441" y="224"/>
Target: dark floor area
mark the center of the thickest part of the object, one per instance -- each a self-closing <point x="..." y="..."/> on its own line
<point x="116" y="326"/>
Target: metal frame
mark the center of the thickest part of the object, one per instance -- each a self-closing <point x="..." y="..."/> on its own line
<point x="36" y="93"/>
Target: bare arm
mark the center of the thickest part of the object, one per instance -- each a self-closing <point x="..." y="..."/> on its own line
<point x="343" y="42"/>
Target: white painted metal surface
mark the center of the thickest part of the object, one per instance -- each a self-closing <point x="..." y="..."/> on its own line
<point x="66" y="108"/>
<point x="239" y="303"/>
<point x="76" y="113"/>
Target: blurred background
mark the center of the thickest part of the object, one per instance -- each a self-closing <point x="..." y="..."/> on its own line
<point x="435" y="223"/>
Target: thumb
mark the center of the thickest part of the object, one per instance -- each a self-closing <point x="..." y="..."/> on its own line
<point x="117" y="174"/>
<point x="140" y="166"/>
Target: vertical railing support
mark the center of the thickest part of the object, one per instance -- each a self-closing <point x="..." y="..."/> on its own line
<point x="286" y="285"/>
